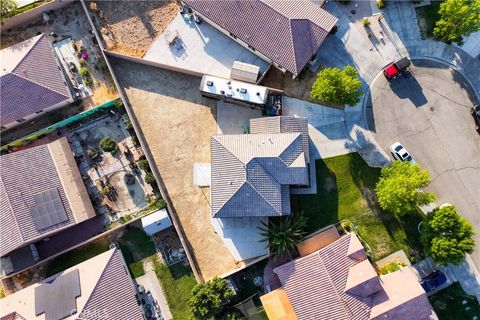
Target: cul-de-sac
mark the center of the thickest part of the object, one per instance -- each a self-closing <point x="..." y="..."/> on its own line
<point x="240" y="159"/>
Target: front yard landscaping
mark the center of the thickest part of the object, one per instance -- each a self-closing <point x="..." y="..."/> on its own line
<point x="449" y="304"/>
<point x="345" y="192"/>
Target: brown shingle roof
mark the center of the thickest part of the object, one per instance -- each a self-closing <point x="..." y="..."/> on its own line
<point x="27" y="173"/>
<point x="287" y="32"/>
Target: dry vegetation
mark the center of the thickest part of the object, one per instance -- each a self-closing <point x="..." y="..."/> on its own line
<point x="130" y="28"/>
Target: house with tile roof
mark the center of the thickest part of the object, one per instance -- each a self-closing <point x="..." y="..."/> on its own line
<point x="251" y="177"/>
<point x="286" y="33"/>
<point x="42" y="193"/>
<point x="98" y="288"/>
<point x="31" y="81"/>
<point x="338" y="282"/>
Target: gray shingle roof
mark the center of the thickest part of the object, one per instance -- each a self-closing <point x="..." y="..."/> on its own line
<point x="287" y="32"/>
<point x="30" y="79"/>
<point x="252" y="173"/>
<point x="333" y="284"/>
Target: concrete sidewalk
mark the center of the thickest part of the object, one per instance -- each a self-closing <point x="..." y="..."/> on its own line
<point x="465" y="273"/>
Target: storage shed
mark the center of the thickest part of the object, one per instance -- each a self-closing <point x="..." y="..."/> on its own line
<point x="156" y="222"/>
<point x="244" y="72"/>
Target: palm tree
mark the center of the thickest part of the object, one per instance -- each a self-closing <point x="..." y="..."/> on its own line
<point x="283" y="234"/>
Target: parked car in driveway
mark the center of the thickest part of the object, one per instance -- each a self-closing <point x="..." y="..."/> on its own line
<point x="394" y="69"/>
<point x="475" y="111"/>
<point x="433" y="281"/>
<point x="400" y="153"/>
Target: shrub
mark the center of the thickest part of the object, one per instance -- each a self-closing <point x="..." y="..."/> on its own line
<point x="82" y="62"/>
<point x="105" y="191"/>
<point x="108" y="145"/>
<point x="380" y="4"/>
<point x="208" y="298"/>
<point x="391" y="267"/>
<point x="143" y="164"/>
<point x="93" y="153"/>
<point x="83" y="71"/>
<point x="150" y="179"/>
<point x="366" y="22"/>
<point x="282" y="235"/>
<point x="118" y="103"/>
<point x="128" y="124"/>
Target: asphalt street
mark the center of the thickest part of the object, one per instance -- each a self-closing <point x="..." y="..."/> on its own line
<point x="429" y="113"/>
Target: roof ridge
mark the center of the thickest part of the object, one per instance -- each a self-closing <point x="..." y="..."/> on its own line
<point x="29" y="50"/>
<point x="261" y="195"/>
<point x="331" y="281"/>
<point x="37" y="83"/>
<point x="87" y="300"/>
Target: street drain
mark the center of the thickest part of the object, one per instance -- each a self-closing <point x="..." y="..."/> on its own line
<point x="432" y="109"/>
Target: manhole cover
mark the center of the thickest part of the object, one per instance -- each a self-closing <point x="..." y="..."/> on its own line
<point x="432" y="109"/>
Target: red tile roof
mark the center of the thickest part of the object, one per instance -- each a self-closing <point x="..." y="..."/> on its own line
<point x="323" y="285"/>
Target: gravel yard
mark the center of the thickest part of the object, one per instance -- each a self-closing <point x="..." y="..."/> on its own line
<point x="130" y="28"/>
<point x="177" y="123"/>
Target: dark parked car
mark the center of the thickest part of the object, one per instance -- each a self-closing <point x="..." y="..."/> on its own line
<point x="433" y="281"/>
<point x="396" y="68"/>
<point x="475" y="111"/>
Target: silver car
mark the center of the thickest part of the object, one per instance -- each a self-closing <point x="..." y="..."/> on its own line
<point x="400" y="153"/>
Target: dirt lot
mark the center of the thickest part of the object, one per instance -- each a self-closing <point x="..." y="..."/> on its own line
<point x="178" y="123"/>
<point x="296" y="88"/>
<point x="131" y="27"/>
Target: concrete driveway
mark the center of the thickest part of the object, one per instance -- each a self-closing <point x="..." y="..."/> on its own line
<point x="429" y="113"/>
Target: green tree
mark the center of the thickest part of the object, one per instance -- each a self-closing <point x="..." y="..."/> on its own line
<point x="7" y="6"/>
<point x="284" y="234"/>
<point x="149" y="178"/>
<point x="447" y="236"/>
<point x="337" y="86"/>
<point x="208" y="298"/>
<point x="108" y="145"/>
<point x="458" y="19"/>
<point x="143" y="164"/>
<point x="399" y="189"/>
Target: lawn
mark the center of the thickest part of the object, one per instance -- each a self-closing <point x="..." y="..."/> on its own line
<point x="427" y="16"/>
<point x="136" y="246"/>
<point x="177" y="282"/>
<point x="345" y="191"/>
<point x="75" y="256"/>
<point x="448" y="304"/>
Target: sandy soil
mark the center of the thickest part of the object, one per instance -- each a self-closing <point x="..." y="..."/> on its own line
<point x="131" y="27"/>
<point x="177" y="123"/>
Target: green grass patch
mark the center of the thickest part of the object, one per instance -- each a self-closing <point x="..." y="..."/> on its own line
<point x="448" y="303"/>
<point x="177" y="282"/>
<point x="2" y="293"/>
<point x="24" y="8"/>
<point x="136" y="246"/>
<point x="427" y="16"/>
<point x="74" y="257"/>
<point x="345" y="191"/>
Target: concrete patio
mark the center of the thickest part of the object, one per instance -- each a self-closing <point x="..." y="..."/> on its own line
<point x="200" y="48"/>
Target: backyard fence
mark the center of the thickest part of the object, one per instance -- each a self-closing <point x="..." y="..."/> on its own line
<point x="59" y="125"/>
